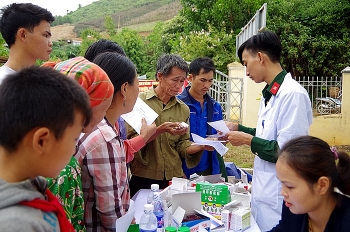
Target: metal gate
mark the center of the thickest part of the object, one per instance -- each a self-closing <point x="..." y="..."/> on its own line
<point x="228" y="92"/>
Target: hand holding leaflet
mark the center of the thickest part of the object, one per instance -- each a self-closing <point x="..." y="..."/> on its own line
<point x="140" y="110"/>
<point x="219" y="147"/>
<point x="219" y="125"/>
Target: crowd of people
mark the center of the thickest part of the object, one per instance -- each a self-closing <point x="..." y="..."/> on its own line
<point x="65" y="152"/>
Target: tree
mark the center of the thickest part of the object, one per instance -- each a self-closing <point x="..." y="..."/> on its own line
<point x="229" y="15"/>
<point x="89" y="36"/>
<point x="110" y="26"/>
<point x="314" y="35"/>
<point x="134" y="47"/>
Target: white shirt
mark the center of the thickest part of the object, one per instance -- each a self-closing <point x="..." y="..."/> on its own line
<point x="287" y="115"/>
<point x="4" y="71"/>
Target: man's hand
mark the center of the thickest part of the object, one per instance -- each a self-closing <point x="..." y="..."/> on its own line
<point x="238" y="138"/>
<point x="174" y="128"/>
<point x="232" y="126"/>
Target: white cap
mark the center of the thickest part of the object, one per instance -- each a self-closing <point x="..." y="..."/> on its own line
<point x="149" y="207"/>
<point x="155" y="186"/>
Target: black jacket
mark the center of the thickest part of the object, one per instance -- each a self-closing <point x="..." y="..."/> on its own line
<point x="339" y="220"/>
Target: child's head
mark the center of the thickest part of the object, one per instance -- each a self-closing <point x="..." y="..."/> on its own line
<point x="96" y="83"/>
<point x="42" y="109"/>
<point x="307" y="167"/>
<point x="103" y="45"/>
<point x="122" y="73"/>
<point x="21" y="15"/>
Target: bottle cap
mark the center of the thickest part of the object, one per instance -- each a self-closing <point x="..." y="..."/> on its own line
<point x="155" y="186"/>
<point x="149" y="207"/>
<point x="170" y="229"/>
<point x="183" y="229"/>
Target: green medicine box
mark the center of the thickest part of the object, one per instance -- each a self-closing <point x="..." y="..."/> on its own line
<point x="213" y="197"/>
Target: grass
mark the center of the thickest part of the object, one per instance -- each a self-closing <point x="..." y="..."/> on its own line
<point x="149" y="26"/>
<point x="244" y="158"/>
<point x="241" y="156"/>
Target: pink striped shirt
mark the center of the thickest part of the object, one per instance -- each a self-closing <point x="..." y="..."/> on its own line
<point x="104" y="177"/>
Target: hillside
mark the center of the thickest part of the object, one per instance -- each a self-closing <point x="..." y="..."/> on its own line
<point x="124" y="13"/>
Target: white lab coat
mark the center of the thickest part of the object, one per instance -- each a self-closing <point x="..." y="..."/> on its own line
<point x="287" y="115"/>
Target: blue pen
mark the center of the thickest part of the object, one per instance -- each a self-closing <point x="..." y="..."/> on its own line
<point x="263" y="122"/>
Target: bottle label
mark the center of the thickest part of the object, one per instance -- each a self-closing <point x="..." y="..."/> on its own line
<point x="160" y="223"/>
<point x="142" y="230"/>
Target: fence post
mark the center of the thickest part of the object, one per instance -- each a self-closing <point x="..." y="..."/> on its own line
<point x="345" y="106"/>
<point x="251" y="94"/>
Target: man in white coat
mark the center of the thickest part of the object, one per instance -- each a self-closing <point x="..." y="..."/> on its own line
<point x="285" y="113"/>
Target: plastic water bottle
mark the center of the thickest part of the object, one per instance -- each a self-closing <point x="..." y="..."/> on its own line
<point x="159" y="211"/>
<point x="154" y="188"/>
<point x="148" y="221"/>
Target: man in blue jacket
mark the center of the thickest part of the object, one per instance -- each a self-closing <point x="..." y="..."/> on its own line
<point x="203" y="109"/>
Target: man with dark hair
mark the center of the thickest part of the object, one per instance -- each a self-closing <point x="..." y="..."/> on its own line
<point x="43" y="114"/>
<point x="203" y="109"/>
<point x="26" y="30"/>
<point x="285" y="113"/>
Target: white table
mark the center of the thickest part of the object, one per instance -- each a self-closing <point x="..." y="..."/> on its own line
<point x="141" y="198"/>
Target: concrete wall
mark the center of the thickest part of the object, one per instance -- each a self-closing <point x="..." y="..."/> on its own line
<point x="334" y="129"/>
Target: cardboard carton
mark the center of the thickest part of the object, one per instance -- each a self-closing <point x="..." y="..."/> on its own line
<point x="186" y="209"/>
<point x="213" y="197"/>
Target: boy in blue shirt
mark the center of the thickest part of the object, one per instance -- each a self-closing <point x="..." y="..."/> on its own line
<point x="203" y="109"/>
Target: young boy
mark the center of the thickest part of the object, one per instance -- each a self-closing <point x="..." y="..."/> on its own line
<point x="42" y="115"/>
<point x="26" y="30"/>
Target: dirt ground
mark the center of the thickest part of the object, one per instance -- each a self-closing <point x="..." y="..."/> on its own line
<point x="63" y="32"/>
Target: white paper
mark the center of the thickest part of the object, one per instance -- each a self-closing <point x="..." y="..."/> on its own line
<point x="219" y="147"/>
<point x="122" y="224"/>
<point x="178" y="183"/>
<point x="215" y="136"/>
<point x="219" y="125"/>
<point x="140" y="110"/>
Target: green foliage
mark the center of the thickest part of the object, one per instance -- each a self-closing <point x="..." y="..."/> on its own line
<point x="227" y="15"/>
<point x="212" y="43"/>
<point x="134" y="47"/>
<point x="4" y="51"/>
<point x="89" y="36"/>
<point x="110" y="27"/>
<point x="63" y="51"/>
<point x="59" y="20"/>
<point x="313" y="34"/>
<point x="121" y="12"/>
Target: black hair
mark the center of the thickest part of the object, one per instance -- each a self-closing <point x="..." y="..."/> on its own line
<point x="265" y="41"/>
<point x="200" y="63"/>
<point x="312" y="158"/>
<point x="39" y="97"/>
<point x="103" y="45"/>
<point x="21" y="15"/>
<point x="119" y="68"/>
<point x="168" y="61"/>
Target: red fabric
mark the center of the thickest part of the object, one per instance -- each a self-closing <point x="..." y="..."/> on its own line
<point x="275" y="88"/>
<point x="51" y="205"/>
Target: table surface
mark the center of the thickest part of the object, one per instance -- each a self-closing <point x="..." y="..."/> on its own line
<point x="140" y="199"/>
